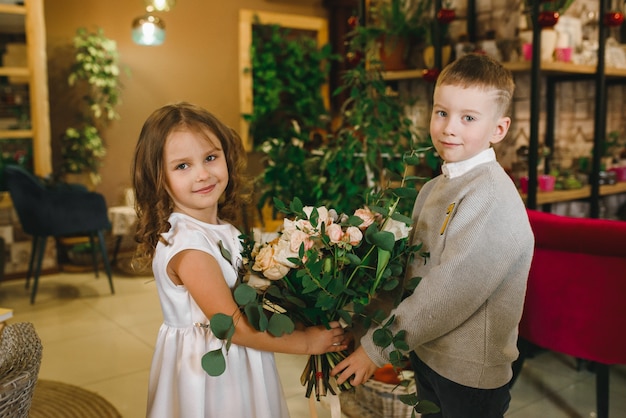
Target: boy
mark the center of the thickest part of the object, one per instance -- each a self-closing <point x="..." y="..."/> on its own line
<point x="462" y="319"/>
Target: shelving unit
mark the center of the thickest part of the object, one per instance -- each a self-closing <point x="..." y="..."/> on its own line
<point x="31" y="16"/>
<point x="554" y="73"/>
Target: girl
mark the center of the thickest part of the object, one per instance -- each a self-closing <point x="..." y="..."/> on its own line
<point x="188" y="177"/>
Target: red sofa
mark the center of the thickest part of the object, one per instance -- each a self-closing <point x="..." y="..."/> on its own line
<point x="576" y="297"/>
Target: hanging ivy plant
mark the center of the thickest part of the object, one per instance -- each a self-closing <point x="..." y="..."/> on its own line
<point x="95" y="76"/>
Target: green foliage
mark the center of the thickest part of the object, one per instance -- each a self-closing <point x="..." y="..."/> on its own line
<point x="95" y="76"/>
<point x="289" y="70"/>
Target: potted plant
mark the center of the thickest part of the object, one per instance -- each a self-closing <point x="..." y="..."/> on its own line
<point x="393" y="28"/>
<point x="94" y="76"/>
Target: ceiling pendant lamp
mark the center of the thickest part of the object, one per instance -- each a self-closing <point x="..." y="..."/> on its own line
<point x="160" y="5"/>
<point x="148" y="30"/>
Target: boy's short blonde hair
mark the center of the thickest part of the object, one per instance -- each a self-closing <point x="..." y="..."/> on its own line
<point x="480" y="71"/>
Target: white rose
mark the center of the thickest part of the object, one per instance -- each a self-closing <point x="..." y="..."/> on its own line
<point x="399" y="229"/>
<point x="323" y="215"/>
<point x="282" y="252"/>
<point x="256" y="281"/>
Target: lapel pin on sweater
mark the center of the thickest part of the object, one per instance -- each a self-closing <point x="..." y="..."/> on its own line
<point x="445" y="221"/>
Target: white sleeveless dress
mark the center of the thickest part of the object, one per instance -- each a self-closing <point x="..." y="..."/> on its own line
<point x="179" y="387"/>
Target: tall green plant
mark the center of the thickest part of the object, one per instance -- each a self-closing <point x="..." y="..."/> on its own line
<point x="94" y="75"/>
<point x="289" y="71"/>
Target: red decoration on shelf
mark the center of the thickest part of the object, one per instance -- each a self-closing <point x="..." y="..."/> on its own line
<point x="431" y="74"/>
<point x="353" y="22"/>
<point x="613" y="18"/>
<point x="548" y="18"/>
<point x="354" y="58"/>
<point x="446" y="16"/>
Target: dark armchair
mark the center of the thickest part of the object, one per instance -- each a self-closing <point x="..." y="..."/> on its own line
<point x="56" y="212"/>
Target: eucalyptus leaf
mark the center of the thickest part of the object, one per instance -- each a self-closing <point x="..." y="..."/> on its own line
<point x="214" y="362"/>
<point x="401" y="218"/>
<point x="225" y="253"/>
<point x="244" y="294"/>
<point x="384" y="240"/>
<point x="256" y="318"/>
<point x="426" y="407"/>
<point x="280" y="324"/>
<point x="222" y="325"/>
<point x="382" y="337"/>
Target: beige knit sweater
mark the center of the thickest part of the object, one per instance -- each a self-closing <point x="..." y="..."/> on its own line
<point x="462" y="318"/>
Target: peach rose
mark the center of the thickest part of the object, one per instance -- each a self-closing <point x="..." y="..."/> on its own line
<point x="367" y="216"/>
<point x="267" y="264"/>
<point x="354" y="235"/>
<point x="335" y="233"/>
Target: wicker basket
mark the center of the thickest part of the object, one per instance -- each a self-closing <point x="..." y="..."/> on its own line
<point x="381" y="399"/>
<point x="20" y="358"/>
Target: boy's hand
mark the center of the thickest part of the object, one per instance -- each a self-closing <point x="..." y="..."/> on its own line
<point x="357" y="364"/>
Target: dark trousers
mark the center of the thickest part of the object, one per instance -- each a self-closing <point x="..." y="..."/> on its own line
<point x="458" y="401"/>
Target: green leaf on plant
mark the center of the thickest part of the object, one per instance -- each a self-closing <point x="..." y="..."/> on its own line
<point x="346" y="316"/>
<point x="382" y="337"/>
<point x="256" y="317"/>
<point x="353" y="258"/>
<point x="405" y="192"/>
<point x="296" y="205"/>
<point x="426" y="407"/>
<point x="383" y="259"/>
<point x="354" y="221"/>
<point x="280" y="324"/>
<point x="244" y="294"/>
<point x="412" y="160"/>
<point x="383" y="239"/>
<point x="391" y="284"/>
<point x="214" y="362"/>
<point x="225" y="253"/>
<point x="408" y="399"/>
<point x="401" y="218"/>
<point x="222" y="326"/>
<point x="412" y="283"/>
<point x="279" y="205"/>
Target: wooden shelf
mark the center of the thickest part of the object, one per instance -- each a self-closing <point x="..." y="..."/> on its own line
<point x="403" y="74"/>
<point x="577" y="194"/>
<point x="548" y="67"/>
<point x="14" y="71"/>
<point x="12" y="9"/>
<point x="16" y="134"/>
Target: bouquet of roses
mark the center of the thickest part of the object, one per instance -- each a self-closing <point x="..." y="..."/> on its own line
<point x="322" y="267"/>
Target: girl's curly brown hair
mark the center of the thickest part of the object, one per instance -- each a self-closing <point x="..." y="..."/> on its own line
<point x="153" y="204"/>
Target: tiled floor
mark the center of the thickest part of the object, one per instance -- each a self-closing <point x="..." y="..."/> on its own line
<point x="104" y="343"/>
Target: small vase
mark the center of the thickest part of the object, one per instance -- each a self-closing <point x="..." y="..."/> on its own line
<point x="548" y="43"/>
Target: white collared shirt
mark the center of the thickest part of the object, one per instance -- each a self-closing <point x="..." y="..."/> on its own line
<point x="452" y="170"/>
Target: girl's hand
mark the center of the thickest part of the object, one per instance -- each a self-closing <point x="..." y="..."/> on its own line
<point x="320" y="340"/>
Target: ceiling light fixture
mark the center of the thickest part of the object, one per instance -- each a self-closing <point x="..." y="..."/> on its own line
<point x="148" y="30"/>
<point x="160" y="5"/>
